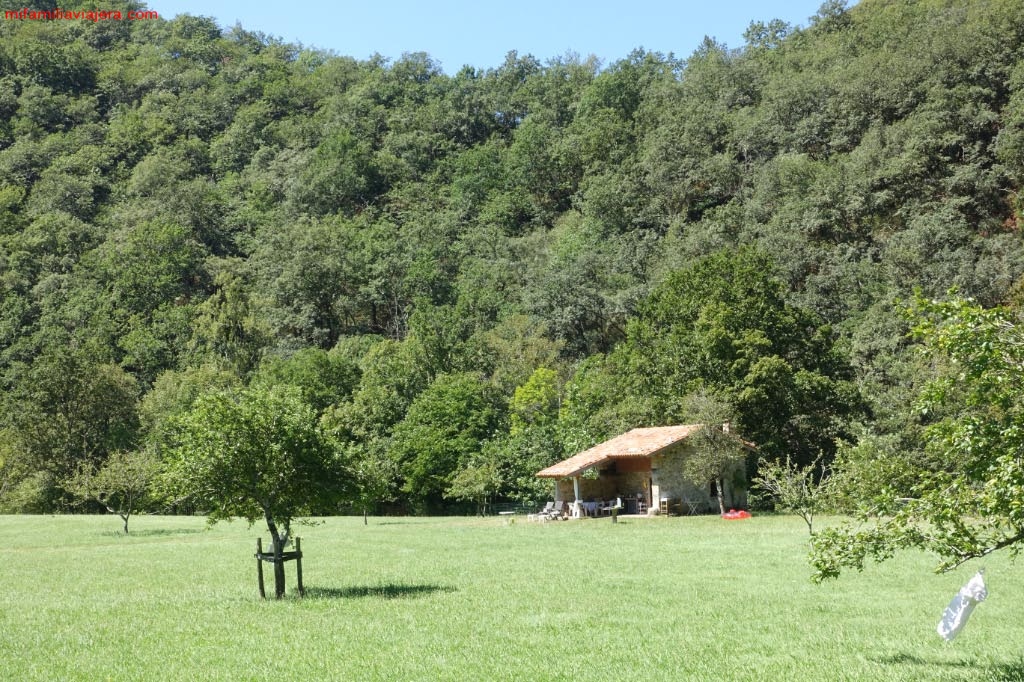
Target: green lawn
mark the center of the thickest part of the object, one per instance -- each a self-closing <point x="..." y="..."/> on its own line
<point x="474" y="599"/>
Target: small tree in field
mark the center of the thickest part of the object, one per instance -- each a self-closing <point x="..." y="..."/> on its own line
<point x="122" y="485"/>
<point x="479" y="482"/>
<point x="376" y="476"/>
<point x="794" y="488"/>
<point x="716" y="454"/>
<point x="256" y="454"/>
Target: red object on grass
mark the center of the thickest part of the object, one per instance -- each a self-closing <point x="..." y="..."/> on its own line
<point x="733" y="515"/>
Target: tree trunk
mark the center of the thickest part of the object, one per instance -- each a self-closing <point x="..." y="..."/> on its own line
<point x="111" y="510"/>
<point x="275" y="537"/>
<point x="721" y="497"/>
<point x="365" y="522"/>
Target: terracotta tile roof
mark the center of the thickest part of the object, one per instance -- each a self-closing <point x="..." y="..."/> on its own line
<point x="635" y="443"/>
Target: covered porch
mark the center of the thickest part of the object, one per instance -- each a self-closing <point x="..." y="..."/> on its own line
<point x="593" y="491"/>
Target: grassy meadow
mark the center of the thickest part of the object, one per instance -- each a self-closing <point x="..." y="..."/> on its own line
<point x="475" y="599"/>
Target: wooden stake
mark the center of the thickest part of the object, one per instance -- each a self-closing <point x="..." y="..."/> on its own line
<point x="259" y="566"/>
<point x="298" y="565"/>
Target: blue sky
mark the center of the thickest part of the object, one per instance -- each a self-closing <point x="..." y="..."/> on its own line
<point x="480" y="34"/>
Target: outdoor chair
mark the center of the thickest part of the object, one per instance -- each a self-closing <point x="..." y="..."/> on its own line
<point x="542" y="513"/>
<point x="556" y="512"/>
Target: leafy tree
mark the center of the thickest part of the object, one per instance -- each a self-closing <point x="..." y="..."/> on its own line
<point x="159" y="344"/>
<point x="723" y="326"/>
<point x="506" y="466"/>
<point x="965" y="502"/>
<point x="174" y="393"/>
<point x="442" y="430"/>
<point x="226" y="330"/>
<point x="122" y="485"/>
<point x="535" y="403"/>
<point x="875" y="465"/>
<point x="598" y="405"/>
<point x="716" y="454"/>
<point x="323" y="378"/>
<point x="440" y="333"/>
<point x="256" y="454"/>
<point x="25" y="488"/>
<point x="795" y="489"/>
<point x="68" y="411"/>
<point x="311" y="271"/>
<point x="515" y="460"/>
<point x="478" y="481"/>
<point x="392" y="377"/>
<point x="569" y="288"/>
<point x="376" y="473"/>
<point x="340" y="177"/>
<point x="517" y="346"/>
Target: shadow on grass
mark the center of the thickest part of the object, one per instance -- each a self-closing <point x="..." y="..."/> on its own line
<point x="388" y="591"/>
<point x="913" y="659"/>
<point x="153" y="532"/>
<point x="998" y="672"/>
<point x="1007" y="672"/>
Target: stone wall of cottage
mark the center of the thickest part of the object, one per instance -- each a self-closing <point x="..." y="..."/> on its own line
<point x="668" y="481"/>
<point x="606" y="487"/>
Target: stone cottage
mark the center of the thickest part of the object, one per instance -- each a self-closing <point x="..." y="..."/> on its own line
<point x="643" y="468"/>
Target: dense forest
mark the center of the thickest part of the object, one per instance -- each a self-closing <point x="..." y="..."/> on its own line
<point x="464" y="278"/>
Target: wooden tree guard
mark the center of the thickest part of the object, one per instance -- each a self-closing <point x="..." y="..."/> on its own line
<point x="262" y="556"/>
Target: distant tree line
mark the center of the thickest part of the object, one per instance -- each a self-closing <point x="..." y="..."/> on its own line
<point x="457" y="280"/>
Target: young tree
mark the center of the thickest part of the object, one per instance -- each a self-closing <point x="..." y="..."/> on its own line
<point x="794" y="488"/>
<point x="256" y="454"/>
<point x="478" y="482"/>
<point x="716" y="453"/>
<point x="716" y="456"/>
<point x="122" y="485"/>
<point x="376" y="474"/>
<point x="966" y="499"/>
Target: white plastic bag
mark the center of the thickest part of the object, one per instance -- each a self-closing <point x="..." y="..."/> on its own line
<point x="959" y="610"/>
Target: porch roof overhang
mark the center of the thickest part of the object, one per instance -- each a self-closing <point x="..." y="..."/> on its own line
<point x="636" y="443"/>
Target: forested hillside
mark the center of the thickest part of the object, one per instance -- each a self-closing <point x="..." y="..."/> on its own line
<point x="468" y="276"/>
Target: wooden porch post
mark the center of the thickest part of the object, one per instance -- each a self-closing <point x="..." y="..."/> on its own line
<point x="576" y="487"/>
